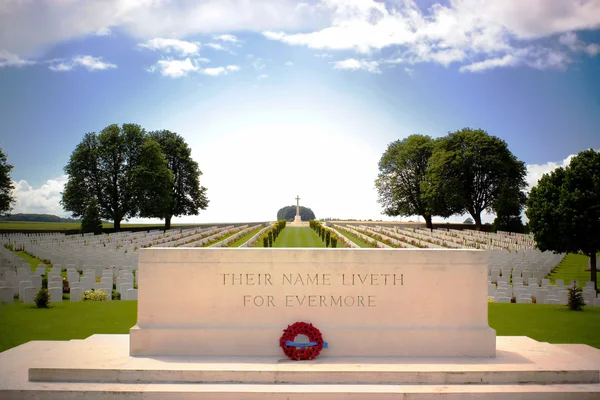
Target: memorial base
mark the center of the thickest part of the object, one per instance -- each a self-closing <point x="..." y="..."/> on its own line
<point x="360" y="342"/>
<point x="100" y="367"/>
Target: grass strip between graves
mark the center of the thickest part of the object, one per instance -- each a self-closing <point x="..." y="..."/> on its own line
<point x="22" y="323"/>
<point x="298" y="237"/>
<point x="246" y="237"/>
<point x="353" y="238"/>
<point x="573" y="267"/>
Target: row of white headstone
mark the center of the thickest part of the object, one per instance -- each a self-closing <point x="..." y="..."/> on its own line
<point x="544" y="294"/>
<point x="26" y="283"/>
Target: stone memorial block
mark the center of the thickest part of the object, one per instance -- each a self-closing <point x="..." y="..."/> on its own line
<point x="559" y="283"/>
<point x="73" y="277"/>
<point x="55" y="294"/>
<point x="545" y="282"/>
<point x="87" y="282"/>
<point x="124" y="287"/>
<point x="36" y="280"/>
<point x="106" y="282"/>
<point x="76" y="293"/>
<point x="23" y="285"/>
<point x="6" y="295"/>
<point x="563" y="297"/>
<point x="128" y="277"/>
<point x="366" y="302"/>
<point x="540" y="296"/>
<point x="28" y="294"/>
<point x="517" y="280"/>
<point x="132" y="294"/>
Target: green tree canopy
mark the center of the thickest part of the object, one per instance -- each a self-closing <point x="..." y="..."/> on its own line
<point x="474" y="172"/>
<point x="91" y="221"/>
<point x="289" y="212"/>
<point x="564" y="209"/>
<point x="6" y="185"/>
<point x="186" y="196"/>
<point x="108" y="167"/>
<point x="402" y="180"/>
<point x="153" y="182"/>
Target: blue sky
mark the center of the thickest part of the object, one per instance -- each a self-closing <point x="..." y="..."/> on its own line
<point x="279" y="98"/>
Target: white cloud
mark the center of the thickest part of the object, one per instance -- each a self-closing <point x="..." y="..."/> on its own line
<point x="88" y="62"/>
<point x="535" y="171"/>
<point x="104" y="31"/>
<point x="263" y="76"/>
<point x="181" y="47"/>
<point x="44" y="200"/>
<point x="226" y="38"/>
<point x="174" y="68"/>
<point x="32" y="25"/>
<point x="496" y="32"/>
<point x="258" y="63"/>
<point x="323" y="55"/>
<point x="409" y="71"/>
<point x="507" y="60"/>
<point x="8" y="59"/>
<point x="355" y="65"/>
<point x="92" y="63"/>
<point x="217" y="71"/>
<point x="570" y="40"/>
<point x="61" y="67"/>
<point x="289" y="64"/>
<point x="216" y="46"/>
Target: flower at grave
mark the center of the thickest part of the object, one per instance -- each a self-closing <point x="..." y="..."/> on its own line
<point x="304" y="351"/>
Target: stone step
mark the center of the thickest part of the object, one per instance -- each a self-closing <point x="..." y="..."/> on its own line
<point x="310" y="373"/>
<point x="94" y="391"/>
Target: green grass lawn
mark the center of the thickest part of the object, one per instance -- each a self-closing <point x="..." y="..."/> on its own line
<point x="30" y="259"/>
<point x="572" y="267"/>
<point x="23" y="322"/>
<point x="353" y="238"/>
<point x="298" y="237"/>
<point x="246" y="237"/>
<point x="546" y="322"/>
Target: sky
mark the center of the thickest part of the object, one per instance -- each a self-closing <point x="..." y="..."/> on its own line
<point x="280" y="98"/>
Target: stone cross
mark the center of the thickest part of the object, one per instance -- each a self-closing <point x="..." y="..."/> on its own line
<point x="297" y="205"/>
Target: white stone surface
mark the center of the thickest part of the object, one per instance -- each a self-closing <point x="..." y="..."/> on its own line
<point x="28" y="294"/>
<point x="100" y="368"/>
<point x="55" y="295"/>
<point x="76" y="293"/>
<point x="366" y="301"/>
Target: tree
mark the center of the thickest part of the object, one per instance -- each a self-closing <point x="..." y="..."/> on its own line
<point x="107" y="167"/>
<point x="91" y="221"/>
<point x="6" y="185"/>
<point x="289" y="212"/>
<point x="402" y="180"/>
<point x="564" y="209"/>
<point x="474" y="170"/>
<point x="187" y="197"/>
<point x="153" y="182"/>
<point x="468" y="221"/>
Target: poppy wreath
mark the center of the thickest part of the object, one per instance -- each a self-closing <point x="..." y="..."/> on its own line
<point x="301" y="352"/>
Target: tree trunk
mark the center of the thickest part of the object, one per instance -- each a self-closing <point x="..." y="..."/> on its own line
<point x="477" y="218"/>
<point x="117" y="224"/>
<point x="428" y="222"/>
<point x="593" y="270"/>
<point x="168" y="222"/>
